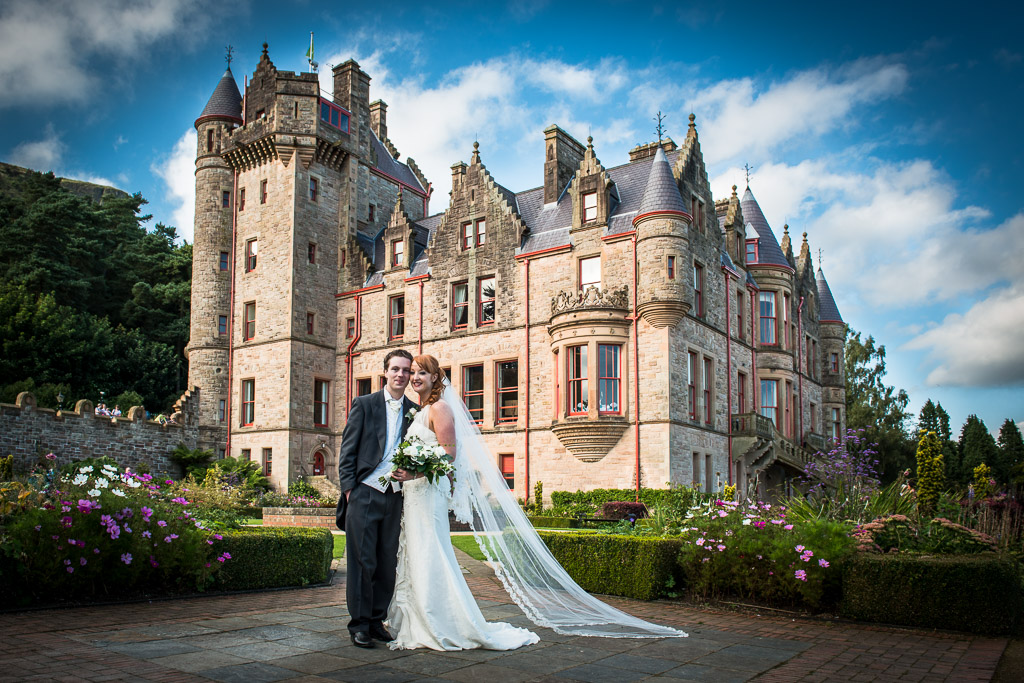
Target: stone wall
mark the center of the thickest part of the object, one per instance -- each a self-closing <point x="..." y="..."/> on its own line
<point x="27" y="432"/>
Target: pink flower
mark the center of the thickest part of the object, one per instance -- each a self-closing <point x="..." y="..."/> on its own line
<point x="800" y="574"/>
<point x="161" y="523"/>
<point x="723" y="513"/>
<point x="799" y="548"/>
<point x="51" y="456"/>
<point x="720" y="547"/>
<point x="700" y="541"/>
<point x="822" y="563"/>
<point x="788" y="527"/>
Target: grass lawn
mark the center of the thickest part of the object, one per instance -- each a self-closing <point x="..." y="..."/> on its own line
<point x="467" y="544"/>
<point x="251" y="521"/>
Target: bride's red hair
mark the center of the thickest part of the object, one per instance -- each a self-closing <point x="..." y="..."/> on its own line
<point x="430" y="364"/>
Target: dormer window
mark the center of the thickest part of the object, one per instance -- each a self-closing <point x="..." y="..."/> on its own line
<point x="397" y="251"/>
<point x="589" y="206"/>
<point x="751" y="251"/>
<point x="334" y="115"/>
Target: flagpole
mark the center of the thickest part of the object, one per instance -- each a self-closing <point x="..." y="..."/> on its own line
<point x="310" y="53"/>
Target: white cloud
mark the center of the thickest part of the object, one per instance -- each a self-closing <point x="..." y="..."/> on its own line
<point x="980" y="347"/>
<point x="40" y="155"/>
<point x="740" y="119"/>
<point x="48" y="48"/>
<point x="576" y="80"/>
<point x="178" y="173"/>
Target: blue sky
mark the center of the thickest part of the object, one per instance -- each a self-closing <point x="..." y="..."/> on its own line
<point x="889" y="132"/>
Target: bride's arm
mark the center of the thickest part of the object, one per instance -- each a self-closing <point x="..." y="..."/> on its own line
<point x="444" y="426"/>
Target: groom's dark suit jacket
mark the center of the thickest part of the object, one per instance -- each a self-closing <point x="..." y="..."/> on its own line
<point x="363" y="443"/>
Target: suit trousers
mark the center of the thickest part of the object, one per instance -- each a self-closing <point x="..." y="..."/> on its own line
<point x="372" y="528"/>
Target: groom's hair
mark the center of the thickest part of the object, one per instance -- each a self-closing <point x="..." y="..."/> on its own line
<point x="399" y="353"/>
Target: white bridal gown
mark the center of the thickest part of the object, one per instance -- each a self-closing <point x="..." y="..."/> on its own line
<point x="432" y="606"/>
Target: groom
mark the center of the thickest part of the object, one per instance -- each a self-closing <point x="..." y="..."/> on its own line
<point x="369" y="513"/>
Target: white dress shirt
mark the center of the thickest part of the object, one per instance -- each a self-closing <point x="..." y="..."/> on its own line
<point x="394" y="437"/>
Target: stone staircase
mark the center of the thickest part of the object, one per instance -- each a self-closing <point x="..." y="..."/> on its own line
<point x="325" y="486"/>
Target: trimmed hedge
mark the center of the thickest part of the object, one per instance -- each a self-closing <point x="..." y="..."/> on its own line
<point x="555" y="522"/>
<point x="622" y="509"/>
<point x="630" y="566"/>
<point x="274" y="557"/>
<point x="975" y="593"/>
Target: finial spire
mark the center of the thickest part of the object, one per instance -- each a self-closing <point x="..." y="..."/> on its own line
<point x="819" y="257"/>
<point x="692" y="120"/>
<point x="746" y="167"/>
<point x="660" y="128"/>
<point x="265" y="46"/>
<point x="228" y="55"/>
<point x="476" y="152"/>
<point x="733" y="190"/>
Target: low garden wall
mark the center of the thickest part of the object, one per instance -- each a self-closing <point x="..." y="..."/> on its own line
<point x="321" y="518"/>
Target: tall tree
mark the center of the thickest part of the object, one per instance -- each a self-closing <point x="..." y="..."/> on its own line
<point x="1011" y="452"/>
<point x="933" y="418"/>
<point x="976" y="447"/>
<point x="878" y="409"/>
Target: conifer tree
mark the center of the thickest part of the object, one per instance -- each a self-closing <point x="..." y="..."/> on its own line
<point x="977" y="447"/>
<point x="930" y="472"/>
<point x="934" y="418"/>
<point x="1011" y="452"/>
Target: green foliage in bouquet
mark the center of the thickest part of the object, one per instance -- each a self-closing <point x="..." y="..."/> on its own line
<point x="416" y="456"/>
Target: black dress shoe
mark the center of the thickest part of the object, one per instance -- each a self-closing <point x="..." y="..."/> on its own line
<point x="362" y="639"/>
<point x="380" y="633"/>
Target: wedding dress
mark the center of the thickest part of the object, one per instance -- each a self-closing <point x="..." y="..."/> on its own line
<point x="432" y="605"/>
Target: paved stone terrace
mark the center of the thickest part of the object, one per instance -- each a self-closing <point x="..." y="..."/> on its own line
<point x="300" y="636"/>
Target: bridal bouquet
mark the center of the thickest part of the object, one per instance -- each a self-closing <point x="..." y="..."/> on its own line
<point x="415" y="455"/>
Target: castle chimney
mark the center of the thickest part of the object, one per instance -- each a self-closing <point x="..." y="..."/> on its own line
<point x="562" y="156"/>
<point x="352" y="91"/>
<point x="379" y="119"/>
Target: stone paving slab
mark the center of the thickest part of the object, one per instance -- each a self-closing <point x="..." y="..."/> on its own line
<point x="299" y="636"/>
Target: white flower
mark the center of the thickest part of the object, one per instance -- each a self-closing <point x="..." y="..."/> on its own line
<point x="102" y="483"/>
<point x="746" y="522"/>
<point x="85" y="469"/>
<point x="79" y="479"/>
<point x="94" y="493"/>
<point x="411" y="414"/>
<point x="117" y="492"/>
<point x="131" y="483"/>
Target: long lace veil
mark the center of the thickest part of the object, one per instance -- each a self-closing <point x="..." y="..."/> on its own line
<point x="523" y="563"/>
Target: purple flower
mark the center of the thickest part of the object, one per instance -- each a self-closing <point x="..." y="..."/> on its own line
<point x="51" y="456"/>
<point x="82" y="561"/>
<point x="788" y="527"/>
<point x="218" y="537"/>
<point x="95" y="551"/>
<point x="179" y="500"/>
<point x="168" y="539"/>
<point x="126" y="558"/>
<point x="67" y="562"/>
<point x="800" y="574"/>
<point x="71" y="570"/>
<point x="720" y="547"/>
<point x="146" y="534"/>
<point x="65" y="522"/>
<point x="161" y="523"/>
<point x="226" y="556"/>
<point x="87" y="506"/>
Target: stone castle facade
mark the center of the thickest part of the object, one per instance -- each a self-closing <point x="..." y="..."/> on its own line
<point x="612" y="327"/>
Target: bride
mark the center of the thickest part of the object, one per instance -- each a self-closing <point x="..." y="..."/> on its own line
<point x="432" y="605"/>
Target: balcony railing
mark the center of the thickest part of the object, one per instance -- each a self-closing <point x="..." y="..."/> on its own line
<point x="753" y="424"/>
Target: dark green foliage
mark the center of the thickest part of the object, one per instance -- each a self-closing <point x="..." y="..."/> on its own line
<point x="301" y="488"/>
<point x="242" y="473"/>
<point x="555" y="522"/>
<point x="269" y="557"/>
<point x="191" y="460"/>
<point x="934" y="418"/>
<point x="623" y="510"/>
<point x="976" y="447"/>
<point x="1011" y="453"/>
<point x="975" y="593"/>
<point x="91" y="301"/>
<point x="7" y="468"/>
<point x="878" y="409"/>
<point x="630" y="566"/>
<point x="587" y="503"/>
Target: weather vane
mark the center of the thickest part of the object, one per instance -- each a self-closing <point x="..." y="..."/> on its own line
<point x="660" y="128"/>
<point x="819" y="257"/>
<point x="746" y="167"/>
<point x="229" y="49"/>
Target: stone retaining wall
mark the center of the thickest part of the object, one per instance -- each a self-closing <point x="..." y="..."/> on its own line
<point x="28" y="432"/>
<point x="320" y="517"/>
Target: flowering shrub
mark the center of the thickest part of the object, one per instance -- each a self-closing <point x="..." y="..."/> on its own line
<point x="99" y="530"/>
<point x="984" y="483"/>
<point x="285" y="500"/>
<point x="752" y="550"/>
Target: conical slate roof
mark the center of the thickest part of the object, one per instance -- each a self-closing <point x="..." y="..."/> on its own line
<point x="768" y="250"/>
<point x="661" y="193"/>
<point x="225" y="102"/>
<point x="829" y="312"/>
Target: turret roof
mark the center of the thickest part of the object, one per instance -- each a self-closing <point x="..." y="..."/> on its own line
<point x="768" y="249"/>
<point x="661" y="193"/>
<point x="226" y="101"/>
<point x="828" y="311"/>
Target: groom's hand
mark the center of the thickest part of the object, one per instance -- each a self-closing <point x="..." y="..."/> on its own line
<point x="347" y="494"/>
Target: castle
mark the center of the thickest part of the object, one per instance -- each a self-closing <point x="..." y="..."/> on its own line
<point x="614" y="327"/>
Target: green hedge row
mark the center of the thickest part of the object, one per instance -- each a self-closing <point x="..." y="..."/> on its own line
<point x="630" y="566"/>
<point x="555" y="522"/>
<point x="975" y="593"/>
<point x="274" y="557"/>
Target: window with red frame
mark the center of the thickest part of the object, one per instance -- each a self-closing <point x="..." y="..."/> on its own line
<point x="507" y="387"/>
<point x="578" y="390"/>
<point x="700" y="215"/>
<point x="248" y="414"/>
<point x="221" y="410"/>
<point x="334" y="115"/>
<point x="698" y="290"/>
<point x="222" y="324"/>
<point x="467" y="235"/>
<point x="485" y="301"/>
<point x="708" y="378"/>
<point x="609" y="378"/>
<point x="790" y="416"/>
<point x="350" y="328"/>
<point x="241" y="199"/>
<point x="314" y="185"/>
<point x="589" y="206"/>
<point x="766" y="302"/>
<point x="247" y="454"/>
<point x="263" y="192"/>
<point x="507" y="464"/>
<point x="397" y="251"/>
<point x="311" y="252"/>
<point x="741" y="392"/>
<point x="460" y="305"/>
<point x="814" y="359"/>
<point x="751" y="251"/>
<point x="671" y="267"/>
<point x="481" y="232"/>
<point x="837" y="426"/>
<point x="741" y="311"/>
<point x="249" y="329"/>
<point x="310" y="323"/>
<point x="770" y="400"/>
<point x="225" y="199"/>
<point x="473" y="391"/>
<point x="785" y="321"/>
<point x="691" y="382"/>
<point x="590" y="272"/>
<point x="372" y="212"/>
<point x="268" y="464"/>
<point x="251" y="249"/>
<point x="364" y="386"/>
<point x="834" y="362"/>
<point x="814" y="419"/>
<point x="321" y="395"/>
<point x="396" y="317"/>
<point x="224" y="256"/>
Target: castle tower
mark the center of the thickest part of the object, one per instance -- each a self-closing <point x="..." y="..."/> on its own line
<point x="212" y="262"/>
<point x="662" y="245"/>
<point x="833" y="379"/>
